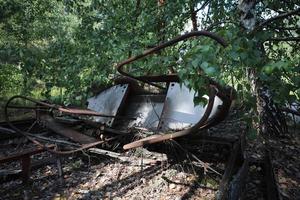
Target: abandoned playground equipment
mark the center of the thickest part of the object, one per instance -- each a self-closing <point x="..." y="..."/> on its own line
<point x="130" y="115"/>
<point x="168" y="113"/>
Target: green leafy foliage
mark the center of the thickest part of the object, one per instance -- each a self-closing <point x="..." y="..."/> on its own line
<point x="59" y="49"/>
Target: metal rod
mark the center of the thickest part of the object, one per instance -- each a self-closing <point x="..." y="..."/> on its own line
<point x="162" y="46"/>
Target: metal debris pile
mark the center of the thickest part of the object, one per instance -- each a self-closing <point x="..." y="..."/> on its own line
<point x="165" y="110"/>
<point x="129" y="115"/>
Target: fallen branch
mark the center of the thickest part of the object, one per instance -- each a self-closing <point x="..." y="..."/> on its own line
<point x="203" y="164"/>
<point x="288" y="110"/>
<point x="131" y="159"/>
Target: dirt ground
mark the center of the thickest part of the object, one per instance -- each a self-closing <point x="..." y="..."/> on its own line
<point x="90" y="176"/>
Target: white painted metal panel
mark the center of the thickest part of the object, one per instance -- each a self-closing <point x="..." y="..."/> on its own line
<point x="108" y="102"/>
<point x="180" y="111"/>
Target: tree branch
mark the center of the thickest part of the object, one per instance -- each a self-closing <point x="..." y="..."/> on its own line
<point x="202" y="6"/>
<point x="217" y="24"/>
<point x="286" y="28"/>
<point x="296" y="39"/>
<point x="288" y="110"/>
<point x="281" y="16"/>
<point x="194" y="17"/>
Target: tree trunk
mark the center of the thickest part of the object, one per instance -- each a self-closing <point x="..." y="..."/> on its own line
<point x="271" y="119"/>
<point x="194" y="17"/>
<point x="161" y="22"/>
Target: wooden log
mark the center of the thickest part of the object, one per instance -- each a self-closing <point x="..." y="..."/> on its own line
<point x="239" y="182"/>
<point x="229" y="171"/>
<point x="272" y="188"/>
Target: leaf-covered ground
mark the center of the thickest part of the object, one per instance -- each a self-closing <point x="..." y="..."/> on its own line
<point x="96" y="177"/>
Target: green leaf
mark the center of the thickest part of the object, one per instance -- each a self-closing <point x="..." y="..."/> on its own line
<point x="205" y="48"/>
<point x="210" y="71"/>
<point x="195" y="63"/>
<point x="204" y="65"/>
<point x="234" y="55"/>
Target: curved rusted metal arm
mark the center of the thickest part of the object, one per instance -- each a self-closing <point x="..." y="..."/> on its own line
<point x="162" y="46"/>
<point x="61" y="108"/>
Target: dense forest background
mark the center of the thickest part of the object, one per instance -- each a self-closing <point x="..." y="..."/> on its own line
<point x="64" y="50"/>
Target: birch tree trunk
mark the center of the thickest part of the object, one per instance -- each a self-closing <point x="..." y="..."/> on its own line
<point x="271" y="120"/>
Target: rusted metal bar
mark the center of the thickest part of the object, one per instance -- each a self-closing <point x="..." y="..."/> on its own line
<point x="61" y="129"/>
<point x="57" y="107"/>
<point x="9" y="175"/>
<point x="26" y="107"/>
<point x="24" y="156"/>
<point x="25" y="152"/>
<point x="90" y="112"/>
<point x="26" y="166"/>
<point x="162" y="46"/>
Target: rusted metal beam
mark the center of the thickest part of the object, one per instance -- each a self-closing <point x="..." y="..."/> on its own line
<point x="25" y="152"/>
<point x="9" y="175"/>
<point x="78" y="111"/>
<point x="40" y="105"/>
<point x="161" y="78"/>
<point x="26" y="166"/>
<point x="61" y="129"/>
<point x="24" y="157"/>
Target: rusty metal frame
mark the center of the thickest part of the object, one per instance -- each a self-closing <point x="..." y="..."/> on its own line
<point x="24" y="157"/>
<point x="162" y="46"/>
<point x="50" y="107"/>
<point x="214" y="90"/>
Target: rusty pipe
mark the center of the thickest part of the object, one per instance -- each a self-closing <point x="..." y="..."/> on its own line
<point x="162" y="46"/>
